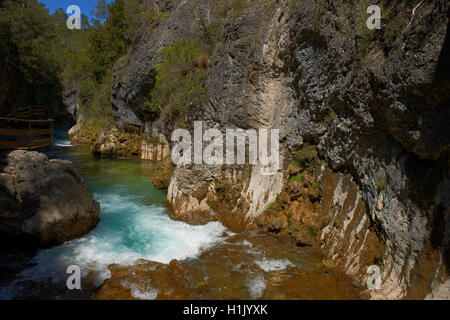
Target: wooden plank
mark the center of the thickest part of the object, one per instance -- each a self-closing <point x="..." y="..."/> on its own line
<point x="41" y="143"/>
<point x="26" y="121"/>
<point x="13" y="132"/>
<point x="13" y="144"/>
<point x="30" y="112"/>
<point x="29" y="132"/>
<point x="29" y="109"/>
<point x="41" y="132"/>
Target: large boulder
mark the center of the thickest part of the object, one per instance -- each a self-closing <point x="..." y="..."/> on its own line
<point x="42" y="201"/>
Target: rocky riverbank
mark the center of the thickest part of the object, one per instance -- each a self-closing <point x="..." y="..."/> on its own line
<point x="43" y="203"/>
<point x="250" y="265"/>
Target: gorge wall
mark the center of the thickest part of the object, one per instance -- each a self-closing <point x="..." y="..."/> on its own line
<point x="369" y="106"/>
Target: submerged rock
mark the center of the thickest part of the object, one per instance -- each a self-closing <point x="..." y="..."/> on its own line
<point x="42" y="201"/>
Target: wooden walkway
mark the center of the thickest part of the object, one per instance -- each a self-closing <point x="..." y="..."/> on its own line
<point x="24" y="132"/>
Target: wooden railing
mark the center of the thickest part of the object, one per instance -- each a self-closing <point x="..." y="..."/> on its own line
<point x="25" y="134"/>
<point x="29" y="113"/>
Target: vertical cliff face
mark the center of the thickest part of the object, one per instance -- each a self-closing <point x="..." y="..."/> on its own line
<point x="134" y="74"/>
<point x="374" y="103"/>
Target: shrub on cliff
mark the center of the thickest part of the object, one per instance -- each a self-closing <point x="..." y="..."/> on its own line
<point x="179" y="87"/>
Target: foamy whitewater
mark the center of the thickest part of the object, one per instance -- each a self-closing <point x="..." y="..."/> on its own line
<point x="60" y="139"/>
<point x="128" y="231"/>
<point x="273" y="264"/>
<point x="256" y="286"/>
<point x="133" y="225"/>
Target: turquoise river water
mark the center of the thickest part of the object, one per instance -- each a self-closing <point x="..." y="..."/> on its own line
<point x="133" y="224"/>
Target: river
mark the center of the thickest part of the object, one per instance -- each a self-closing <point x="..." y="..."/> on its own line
<point x="134" y="225"/>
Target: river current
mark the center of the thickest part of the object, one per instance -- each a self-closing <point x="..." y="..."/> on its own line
<point x="133" y="222"/>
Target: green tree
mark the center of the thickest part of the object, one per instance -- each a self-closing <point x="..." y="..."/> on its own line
<point x="29" y="54"/>
<point x="100" y="10"/>
<point x="107" y="41"/>
<point x="38" y="54"/>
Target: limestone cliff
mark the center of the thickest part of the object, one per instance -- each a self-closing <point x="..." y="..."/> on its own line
<point x="373" y="103"/>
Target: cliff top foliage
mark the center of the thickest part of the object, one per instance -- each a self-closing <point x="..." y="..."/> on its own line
<point x="30" y="52"/>
<point x="40" y="55"/>
<point x="91" y="56"/>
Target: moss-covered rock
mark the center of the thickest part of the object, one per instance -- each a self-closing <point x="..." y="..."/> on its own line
<point x="118" y="143"/>
<point x="89" y="131"/>
<point x="296" y="210"/>
<point x="163" y="173"/>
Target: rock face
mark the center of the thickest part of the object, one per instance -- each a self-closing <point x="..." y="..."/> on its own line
<point x="155" y="146"/>
<point x="374" y="103"/>
<point x="134" y="74"/>
<point x="43" y="201"/>
<point x="163" y="173"/>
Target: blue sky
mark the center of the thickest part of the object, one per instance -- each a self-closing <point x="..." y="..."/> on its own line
<point x="85" y="5"/>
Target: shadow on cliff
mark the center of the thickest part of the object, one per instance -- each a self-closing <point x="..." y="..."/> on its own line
<point x="429" y="180"/>
<point x="440" y="234"/>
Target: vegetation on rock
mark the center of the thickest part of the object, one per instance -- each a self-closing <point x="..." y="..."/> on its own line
<point x="296" y="210"/>
<point x="180" y="90"/>
<point x="163" y="173"/>
<point x="179" y="87"/>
